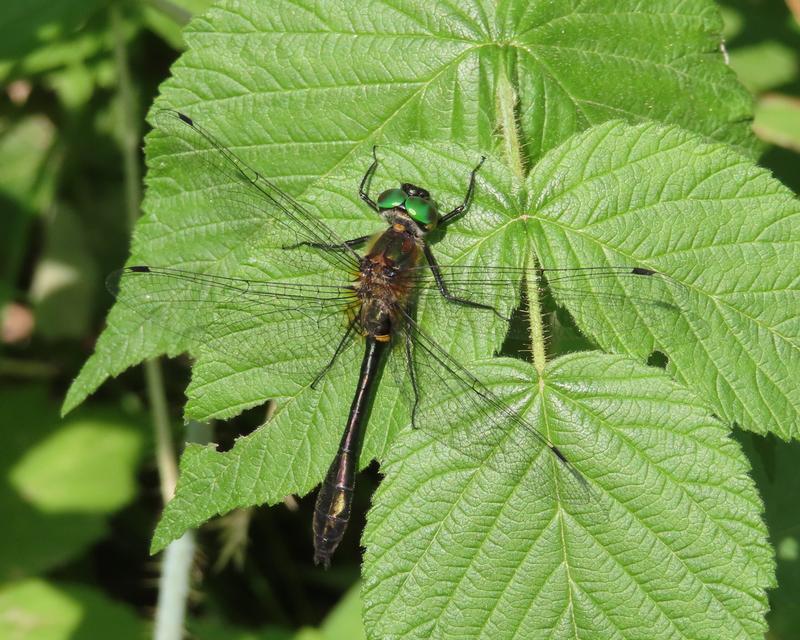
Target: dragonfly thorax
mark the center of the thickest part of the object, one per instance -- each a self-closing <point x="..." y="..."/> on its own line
<point x="401" y="221"/>
<point x="385" y="276"/>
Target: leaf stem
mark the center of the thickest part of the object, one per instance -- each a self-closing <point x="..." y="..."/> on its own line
<point x="174" y="582"/>
<point x="513" y="153"/>
<point x="535" y="324"/>
<point x="129" y="122"/>
<point x="173" y="588"/>
<point x="506" y="106"/>
<point x="165" y="451"/>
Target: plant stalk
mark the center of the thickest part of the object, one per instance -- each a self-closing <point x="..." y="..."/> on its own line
<point x="174" y="581"/>
<point x="512" y="151"/>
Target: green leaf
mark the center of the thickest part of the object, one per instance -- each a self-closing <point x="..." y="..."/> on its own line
<point x="765" y="65"/>
<point x="606" y="198"/>
<point x="721" y="228"/>
<point x="423" y="72"/>
<point x="775" y="467"/>
<point x="54" y="503"/>
<point x="668" y="541"/>
<point x="39" y="610"/>
<point x="60" y="473"/>
<point x="345" y="619"/>
<point x="719" y="231"/>
<point x="778" y="120"/>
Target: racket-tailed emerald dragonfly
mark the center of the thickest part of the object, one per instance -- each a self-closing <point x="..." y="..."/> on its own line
<point x="331" y="293"/>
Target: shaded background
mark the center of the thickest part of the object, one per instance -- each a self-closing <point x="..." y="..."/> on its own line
<point x="80" y="497"/>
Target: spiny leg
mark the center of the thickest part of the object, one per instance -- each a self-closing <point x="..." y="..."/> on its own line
<point x="362" y="193"/>
<point x="362" y="189"/>
<point x="442" y="286"/>
<point x="342" y="246"/>
<point x="460" y="208"/>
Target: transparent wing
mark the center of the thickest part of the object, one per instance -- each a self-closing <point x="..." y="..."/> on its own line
<point x="650" y="310"/>
<point x="290" y="327"/>
<point x="487" y="284"/>
<point x="458" y="409"/>
<point x="235" y="191"/>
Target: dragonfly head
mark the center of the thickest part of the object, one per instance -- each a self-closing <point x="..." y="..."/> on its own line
<point x="415" y="201"/>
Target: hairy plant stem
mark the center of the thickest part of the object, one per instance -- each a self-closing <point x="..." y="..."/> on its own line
<point x="165" y="451"/>
<point x="174" y="580"/>
<point x="512" y="151"/>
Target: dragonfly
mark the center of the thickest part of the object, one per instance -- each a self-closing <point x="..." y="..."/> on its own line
<point x="368" y="290"/>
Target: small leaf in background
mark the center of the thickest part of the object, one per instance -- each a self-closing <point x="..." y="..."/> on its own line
<point x="765" y="66"/>
<point x="62" y="479"/>
<point x="38" y="35"/>
<point x="345" y="620"/>
<point x="168" y="21"/>
<point x="778" y="120"/>
<point x="762" y="40"/>
<point x="65" y="279"/>
<point x="27" y="185"/>
<point x="667" y="541"/>
<point x="40" y="610"/>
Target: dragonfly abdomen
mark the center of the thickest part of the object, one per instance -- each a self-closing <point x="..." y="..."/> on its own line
<point x="335" y="497"/>
<point x="333" y="506"/>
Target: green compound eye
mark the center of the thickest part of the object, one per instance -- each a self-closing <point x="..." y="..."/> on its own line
<point x="421" y="211"/>
<point x="391" y="199"/>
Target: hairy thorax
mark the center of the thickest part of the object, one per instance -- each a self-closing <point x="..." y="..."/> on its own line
<point x="386" y="277"/>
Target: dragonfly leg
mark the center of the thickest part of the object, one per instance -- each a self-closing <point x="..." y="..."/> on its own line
<point x="342" y="246"/>
<point x="442" y="286"/>
<point x="460" y="208"/>
<point x="364" y="186"/>
<point x="342" y="343"/>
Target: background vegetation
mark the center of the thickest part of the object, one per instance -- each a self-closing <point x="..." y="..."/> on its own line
<point x="82" y="495"/>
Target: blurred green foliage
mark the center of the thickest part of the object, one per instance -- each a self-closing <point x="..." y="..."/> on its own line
<point x="79" y="496"/>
